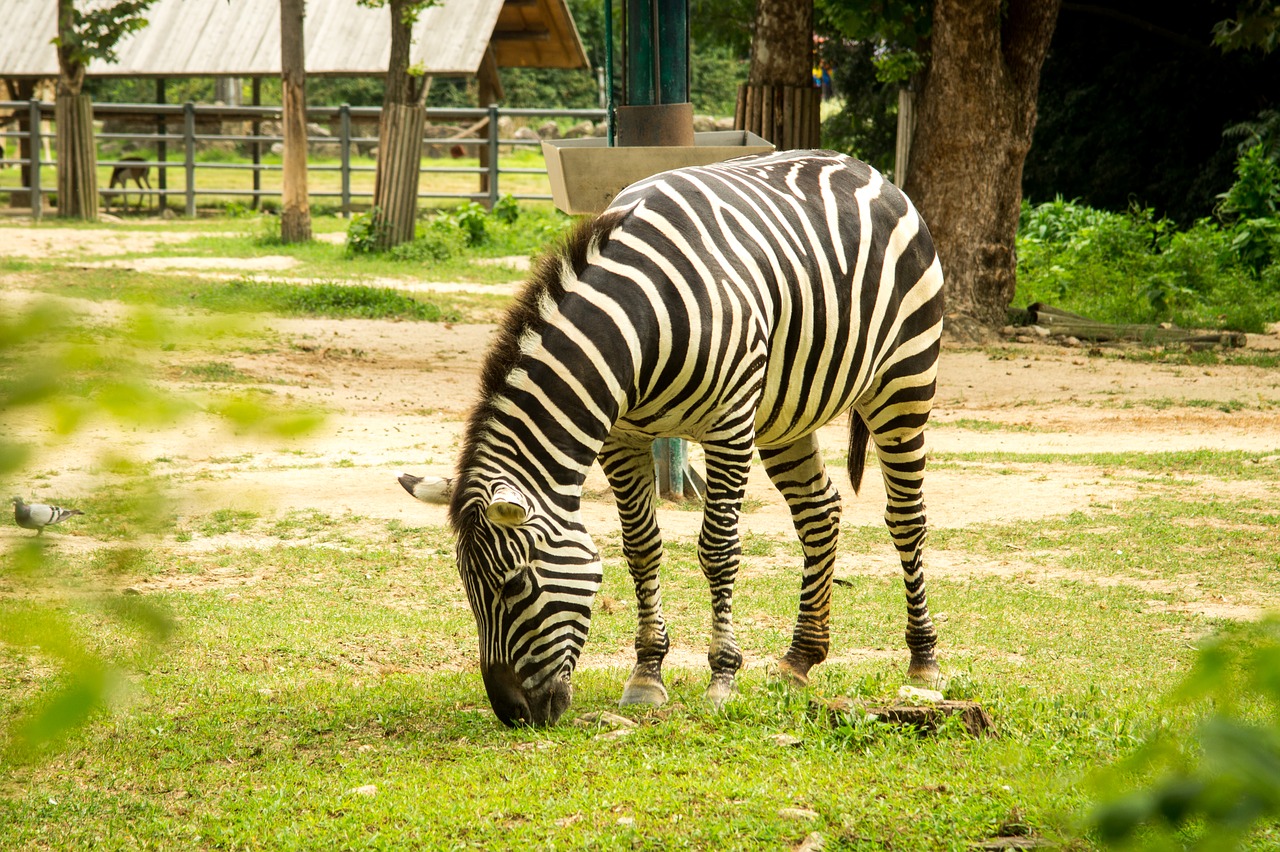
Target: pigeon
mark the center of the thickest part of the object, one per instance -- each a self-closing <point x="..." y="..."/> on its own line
<point x="37" y="516"/>
<point x="431" y="489"/>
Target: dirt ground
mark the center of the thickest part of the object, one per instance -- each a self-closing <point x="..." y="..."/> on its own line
<point x="398" y="393"/>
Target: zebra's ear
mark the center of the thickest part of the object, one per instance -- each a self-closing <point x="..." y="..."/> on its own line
<point x="430" y="489"/>
<point x="508" y="507"/>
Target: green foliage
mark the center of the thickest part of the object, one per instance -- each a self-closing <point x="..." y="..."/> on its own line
<point x="866" y="124"/>
<point x="93" y="33"/>
<point x="1213" y="784"/>
<point x="1256" y="25"/>
<point x="439" y="240"/>
<point x="473" y="220"/>
<point x="1136" y="267"/>
<point x="1252" y="205"/>
<point x="57" y="378"/>
<point x="364" y="233"/>
<point x="898" y="29"/>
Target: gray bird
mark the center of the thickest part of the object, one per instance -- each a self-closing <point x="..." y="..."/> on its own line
<point x="37" y="516"/>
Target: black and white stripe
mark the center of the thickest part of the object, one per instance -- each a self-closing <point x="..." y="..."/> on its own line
<point x="742" y="306"/>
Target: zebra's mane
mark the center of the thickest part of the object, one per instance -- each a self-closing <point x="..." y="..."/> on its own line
<point x="526" y="314"/>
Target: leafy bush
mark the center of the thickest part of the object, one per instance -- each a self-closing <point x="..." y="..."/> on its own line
<point x="363" y="233"/>
<point x="439" y="240"/>
<point x="1136" y="267"/>
<point x="1212" y="786"/>
<point x="1252" y="205"/>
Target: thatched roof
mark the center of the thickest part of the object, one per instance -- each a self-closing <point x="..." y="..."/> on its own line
<point x="241" y="38"/>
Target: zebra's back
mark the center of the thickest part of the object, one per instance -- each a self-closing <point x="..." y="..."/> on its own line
<point x="784" y="282"/>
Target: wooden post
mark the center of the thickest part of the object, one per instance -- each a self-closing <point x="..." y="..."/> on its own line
<point x="906" y="127"/>
<point x="399" y="163"/>
<point x="77" y="157"/>
<point x="162" y="148"/>
<point x="787" y="116"/>
<point x="295" y="206"/>
<point x="490" y="94"/>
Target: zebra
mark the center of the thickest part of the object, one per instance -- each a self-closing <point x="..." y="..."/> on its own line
<point x="742" y="306"/>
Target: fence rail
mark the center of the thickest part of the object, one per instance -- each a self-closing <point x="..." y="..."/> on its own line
<point x="193" y="129"/>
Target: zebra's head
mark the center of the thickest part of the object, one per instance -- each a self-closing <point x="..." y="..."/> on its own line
<point x="530" y="577"/>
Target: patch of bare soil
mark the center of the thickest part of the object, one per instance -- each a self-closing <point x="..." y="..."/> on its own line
<point x="399" y="394"/>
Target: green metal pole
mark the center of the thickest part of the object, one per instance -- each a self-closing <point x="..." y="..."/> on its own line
<point x="657" y="72"/>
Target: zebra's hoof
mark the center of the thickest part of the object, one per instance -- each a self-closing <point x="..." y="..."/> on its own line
<point x="720" y="691"/>
<point x="792" y="674"/>
<point x="643" y="693"/>
<point x="924" y="672"/>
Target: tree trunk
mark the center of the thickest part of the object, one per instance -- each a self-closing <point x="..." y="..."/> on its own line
<point x="779" y="100"/>
<point x="295" y="214"/>
<point x="975" y="115"/>
<point x="395" y="188"/>
<point x="77" y="157"/>
<point x="73" y="117"/>
<point x="395" y="185"/>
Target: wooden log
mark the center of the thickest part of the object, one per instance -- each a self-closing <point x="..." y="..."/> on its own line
<point x="1067" y="324"/>
<point x="925" y="718"/>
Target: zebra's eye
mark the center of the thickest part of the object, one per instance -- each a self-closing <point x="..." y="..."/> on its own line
<point x="515" y="585"/>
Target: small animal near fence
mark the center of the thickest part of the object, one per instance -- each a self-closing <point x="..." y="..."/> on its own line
<point x="184" y="155"/>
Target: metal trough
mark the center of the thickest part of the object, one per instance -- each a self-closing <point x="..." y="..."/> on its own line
<point x="586" y="173"/>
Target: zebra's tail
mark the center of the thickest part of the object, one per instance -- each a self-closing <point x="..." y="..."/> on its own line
<point x="858" y="435"/>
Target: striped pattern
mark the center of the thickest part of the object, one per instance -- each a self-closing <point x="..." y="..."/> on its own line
<point x="742" y="306"/>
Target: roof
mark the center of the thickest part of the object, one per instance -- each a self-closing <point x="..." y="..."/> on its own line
<point x="241" y="38"/>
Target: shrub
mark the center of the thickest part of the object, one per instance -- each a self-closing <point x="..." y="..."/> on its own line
<point x="1135" y="267"/>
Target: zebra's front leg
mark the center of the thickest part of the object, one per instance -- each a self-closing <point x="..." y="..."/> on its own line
<point x="630" y="473"/>
<point x="719" y="552"/>
<point x="797" y="471"/>
<point x="902" y="465"/>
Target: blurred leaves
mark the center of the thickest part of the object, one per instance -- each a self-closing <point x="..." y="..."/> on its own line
<point x="1210" y="786"/>
<point x="68" y="379"/>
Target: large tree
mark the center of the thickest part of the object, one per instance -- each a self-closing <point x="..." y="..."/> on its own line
<point x="400" y="128"/>
<point x="84" y="35"/>
<point x="295" y="206"/>
<point x="975" y="68"/>
<point x="779" y="100"/>
<point x="976" y="111"/>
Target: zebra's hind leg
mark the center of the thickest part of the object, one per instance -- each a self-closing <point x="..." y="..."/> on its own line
<point x="630" y="473"/>
<point x="719" y="551"/>
<point x="797" y="471"/>
<point x="901" y="453"/>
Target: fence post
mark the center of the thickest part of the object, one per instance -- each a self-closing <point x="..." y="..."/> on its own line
<point x="33" y="127"/>
<point x="493" y="155"/>
<point x="344" y="147"/>
<point x="189" y="143"/>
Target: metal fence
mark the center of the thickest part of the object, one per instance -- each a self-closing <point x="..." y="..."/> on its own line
<point x="196" y="130"/>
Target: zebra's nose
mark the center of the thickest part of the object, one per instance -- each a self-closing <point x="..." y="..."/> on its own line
<point x="506" y="695"/>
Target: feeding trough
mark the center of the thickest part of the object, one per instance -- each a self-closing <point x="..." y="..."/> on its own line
<point x="586" y="174"/>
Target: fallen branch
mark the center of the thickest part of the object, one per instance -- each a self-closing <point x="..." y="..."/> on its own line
<point x="1060" y="323"/>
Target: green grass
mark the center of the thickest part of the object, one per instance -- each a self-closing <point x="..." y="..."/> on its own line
<point x="345" y="657"/>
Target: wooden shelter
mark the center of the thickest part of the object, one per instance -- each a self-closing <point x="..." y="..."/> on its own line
<point x="241" y="38"/>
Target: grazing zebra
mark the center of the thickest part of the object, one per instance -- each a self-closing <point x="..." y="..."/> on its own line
<point x="742" y="306"/>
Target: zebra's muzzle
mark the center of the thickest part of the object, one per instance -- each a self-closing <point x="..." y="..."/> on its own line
<point x="516" y="706"/>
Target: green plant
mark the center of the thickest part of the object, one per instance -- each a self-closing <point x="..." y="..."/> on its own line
<point x="363" y="234"/>
<point x="439" y="240"/>
<point x="473" y="220"/>
<point x="1214" y="785"/>
<point x="506" y="210"/>
<point x="1252" y="206"/>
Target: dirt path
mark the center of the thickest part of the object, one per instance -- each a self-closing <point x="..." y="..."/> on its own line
<point x="398" y="394"/>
